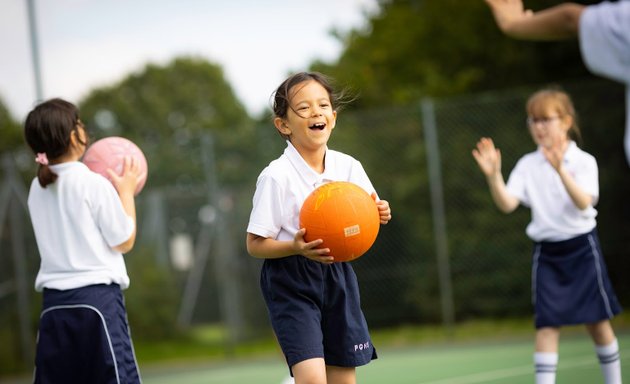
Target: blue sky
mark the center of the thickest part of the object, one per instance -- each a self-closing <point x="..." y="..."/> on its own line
<point x="85" y="44"/>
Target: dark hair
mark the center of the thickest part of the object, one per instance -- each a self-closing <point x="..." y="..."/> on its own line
<point x="282" y="97"/>
<point x="47" y="129"/>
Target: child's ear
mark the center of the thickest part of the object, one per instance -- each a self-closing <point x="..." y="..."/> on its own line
<point x="281" y="126"/>
<point x="76" y="141"/>
<point x="74" y="137"/>
<point x="334" y="120"/>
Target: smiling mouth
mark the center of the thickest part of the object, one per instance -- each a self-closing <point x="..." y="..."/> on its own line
<point x="318" y="126"/>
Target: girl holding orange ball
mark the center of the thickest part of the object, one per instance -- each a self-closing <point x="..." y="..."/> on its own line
<point x="313" y="301"/>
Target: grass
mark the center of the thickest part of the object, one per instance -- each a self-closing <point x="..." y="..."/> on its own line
<point x="202" y="343"/>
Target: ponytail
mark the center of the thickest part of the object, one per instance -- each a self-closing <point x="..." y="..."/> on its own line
<point x="45" y="175"/>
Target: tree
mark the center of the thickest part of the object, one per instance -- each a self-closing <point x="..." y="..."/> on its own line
<point x="10" y="131"/>
<point x="171" y="112"/>
<point x="416" y="48"/>
<point x="166" y="110"/>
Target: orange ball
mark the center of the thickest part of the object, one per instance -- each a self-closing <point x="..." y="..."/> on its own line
<point x="342" y="214"/>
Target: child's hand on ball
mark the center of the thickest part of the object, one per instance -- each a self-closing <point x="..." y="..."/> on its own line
<point x="310" y="250"/>
<point x="131" y="176"/>
<point x="384" y="212"/>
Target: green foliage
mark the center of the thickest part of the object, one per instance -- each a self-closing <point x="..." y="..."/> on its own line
<point x="416" y="48"/>
<point x="152" y="298"/>
<point x="10" y="353"/>
<point x="169" y="109"/>
<point x="10" y="130"/>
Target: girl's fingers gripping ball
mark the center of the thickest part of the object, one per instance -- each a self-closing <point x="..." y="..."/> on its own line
<point x="110" y="153"/>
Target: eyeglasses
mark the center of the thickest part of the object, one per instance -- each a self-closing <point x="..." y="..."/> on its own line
<point x="544" y="121"/>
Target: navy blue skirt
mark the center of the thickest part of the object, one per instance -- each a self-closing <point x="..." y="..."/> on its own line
<point x="315" y="311"/>
<point x="570" y="283"/>
<point x="84" y="338"/>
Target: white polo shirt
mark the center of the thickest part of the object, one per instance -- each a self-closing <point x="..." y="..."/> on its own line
<point x="286" y="182"/>
<point x="605" y="45"/>
<point x="77" y="220"/>
<point x="537" y="185"/>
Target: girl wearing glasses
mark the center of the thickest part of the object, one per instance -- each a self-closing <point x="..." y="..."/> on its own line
<point x="559" y="183"/>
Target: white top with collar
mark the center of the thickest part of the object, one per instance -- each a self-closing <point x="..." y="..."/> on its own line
<point x="286" y="182"/>
<point x="77" y="220"/>
<point x="537" y="185"/>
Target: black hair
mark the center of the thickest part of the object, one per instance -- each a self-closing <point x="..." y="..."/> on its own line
<point x="48" y="129"/>
<point x="282" y="95"/>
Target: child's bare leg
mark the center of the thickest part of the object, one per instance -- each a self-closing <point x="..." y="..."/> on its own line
<point x="602" y="332"/>
<point x="547" y="339"/>
<point x="311" y="371"/>
<point x="546" y="355"/>
<point x="341" y="375"/>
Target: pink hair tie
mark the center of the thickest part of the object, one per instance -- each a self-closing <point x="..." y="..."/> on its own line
<point x="42" y="158"/>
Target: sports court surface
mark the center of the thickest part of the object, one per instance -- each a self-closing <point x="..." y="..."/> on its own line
<point x="507" y="362"/>
<point x="492" y="363"/>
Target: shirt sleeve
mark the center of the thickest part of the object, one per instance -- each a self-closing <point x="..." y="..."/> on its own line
<point x="604" y="35"/>
<point x="517" y="182"/>
<point x="109" y="215"/>
<point x="359" y="177"/>
<point x="266" y="217"/>
<point x="587" y="177"/>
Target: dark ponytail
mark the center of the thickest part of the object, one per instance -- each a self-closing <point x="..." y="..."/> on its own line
<point x="47" y="130"/>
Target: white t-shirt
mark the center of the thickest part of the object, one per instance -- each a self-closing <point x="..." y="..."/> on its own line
<point x="537" y="185"/>
<point x="77" y="220"/>
<point x="605" y="46"/>
<point x="286" y="182"/>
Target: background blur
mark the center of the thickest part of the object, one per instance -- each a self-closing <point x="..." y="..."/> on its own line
<point x="431" y="77"/>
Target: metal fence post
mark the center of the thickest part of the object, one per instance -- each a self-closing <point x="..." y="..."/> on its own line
<point x="438" y="211"/>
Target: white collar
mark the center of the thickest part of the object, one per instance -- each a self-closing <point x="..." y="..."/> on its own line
<point x="569" y="155"/>
<point x="307" y="173"/>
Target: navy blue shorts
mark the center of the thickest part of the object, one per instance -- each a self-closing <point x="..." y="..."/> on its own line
<point x="315" y="311"/>
<point x="570" y="283"/>
<point x="84" y="338"/>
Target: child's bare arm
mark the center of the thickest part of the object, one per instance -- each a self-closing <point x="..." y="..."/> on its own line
<point x="266" y="248"/>
<point x="554" y="23"/>
<point x="126" y="185"/>
<point x="489" y="160"/>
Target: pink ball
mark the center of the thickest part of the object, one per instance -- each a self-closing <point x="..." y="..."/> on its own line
<point x="110" y="152"/>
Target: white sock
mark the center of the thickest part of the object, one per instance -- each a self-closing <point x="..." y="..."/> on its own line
<point x="608" y="356"/>
<point x="546" y="364"/>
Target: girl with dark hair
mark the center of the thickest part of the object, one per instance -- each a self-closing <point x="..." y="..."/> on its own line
<point x="83" y="224"/>
<point x="313" y="301"/>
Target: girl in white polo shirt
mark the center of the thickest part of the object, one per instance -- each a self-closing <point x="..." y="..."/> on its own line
<point x="559" y="183"/>
<point x="313" y="302"/>
<point x="83" y="224"/>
